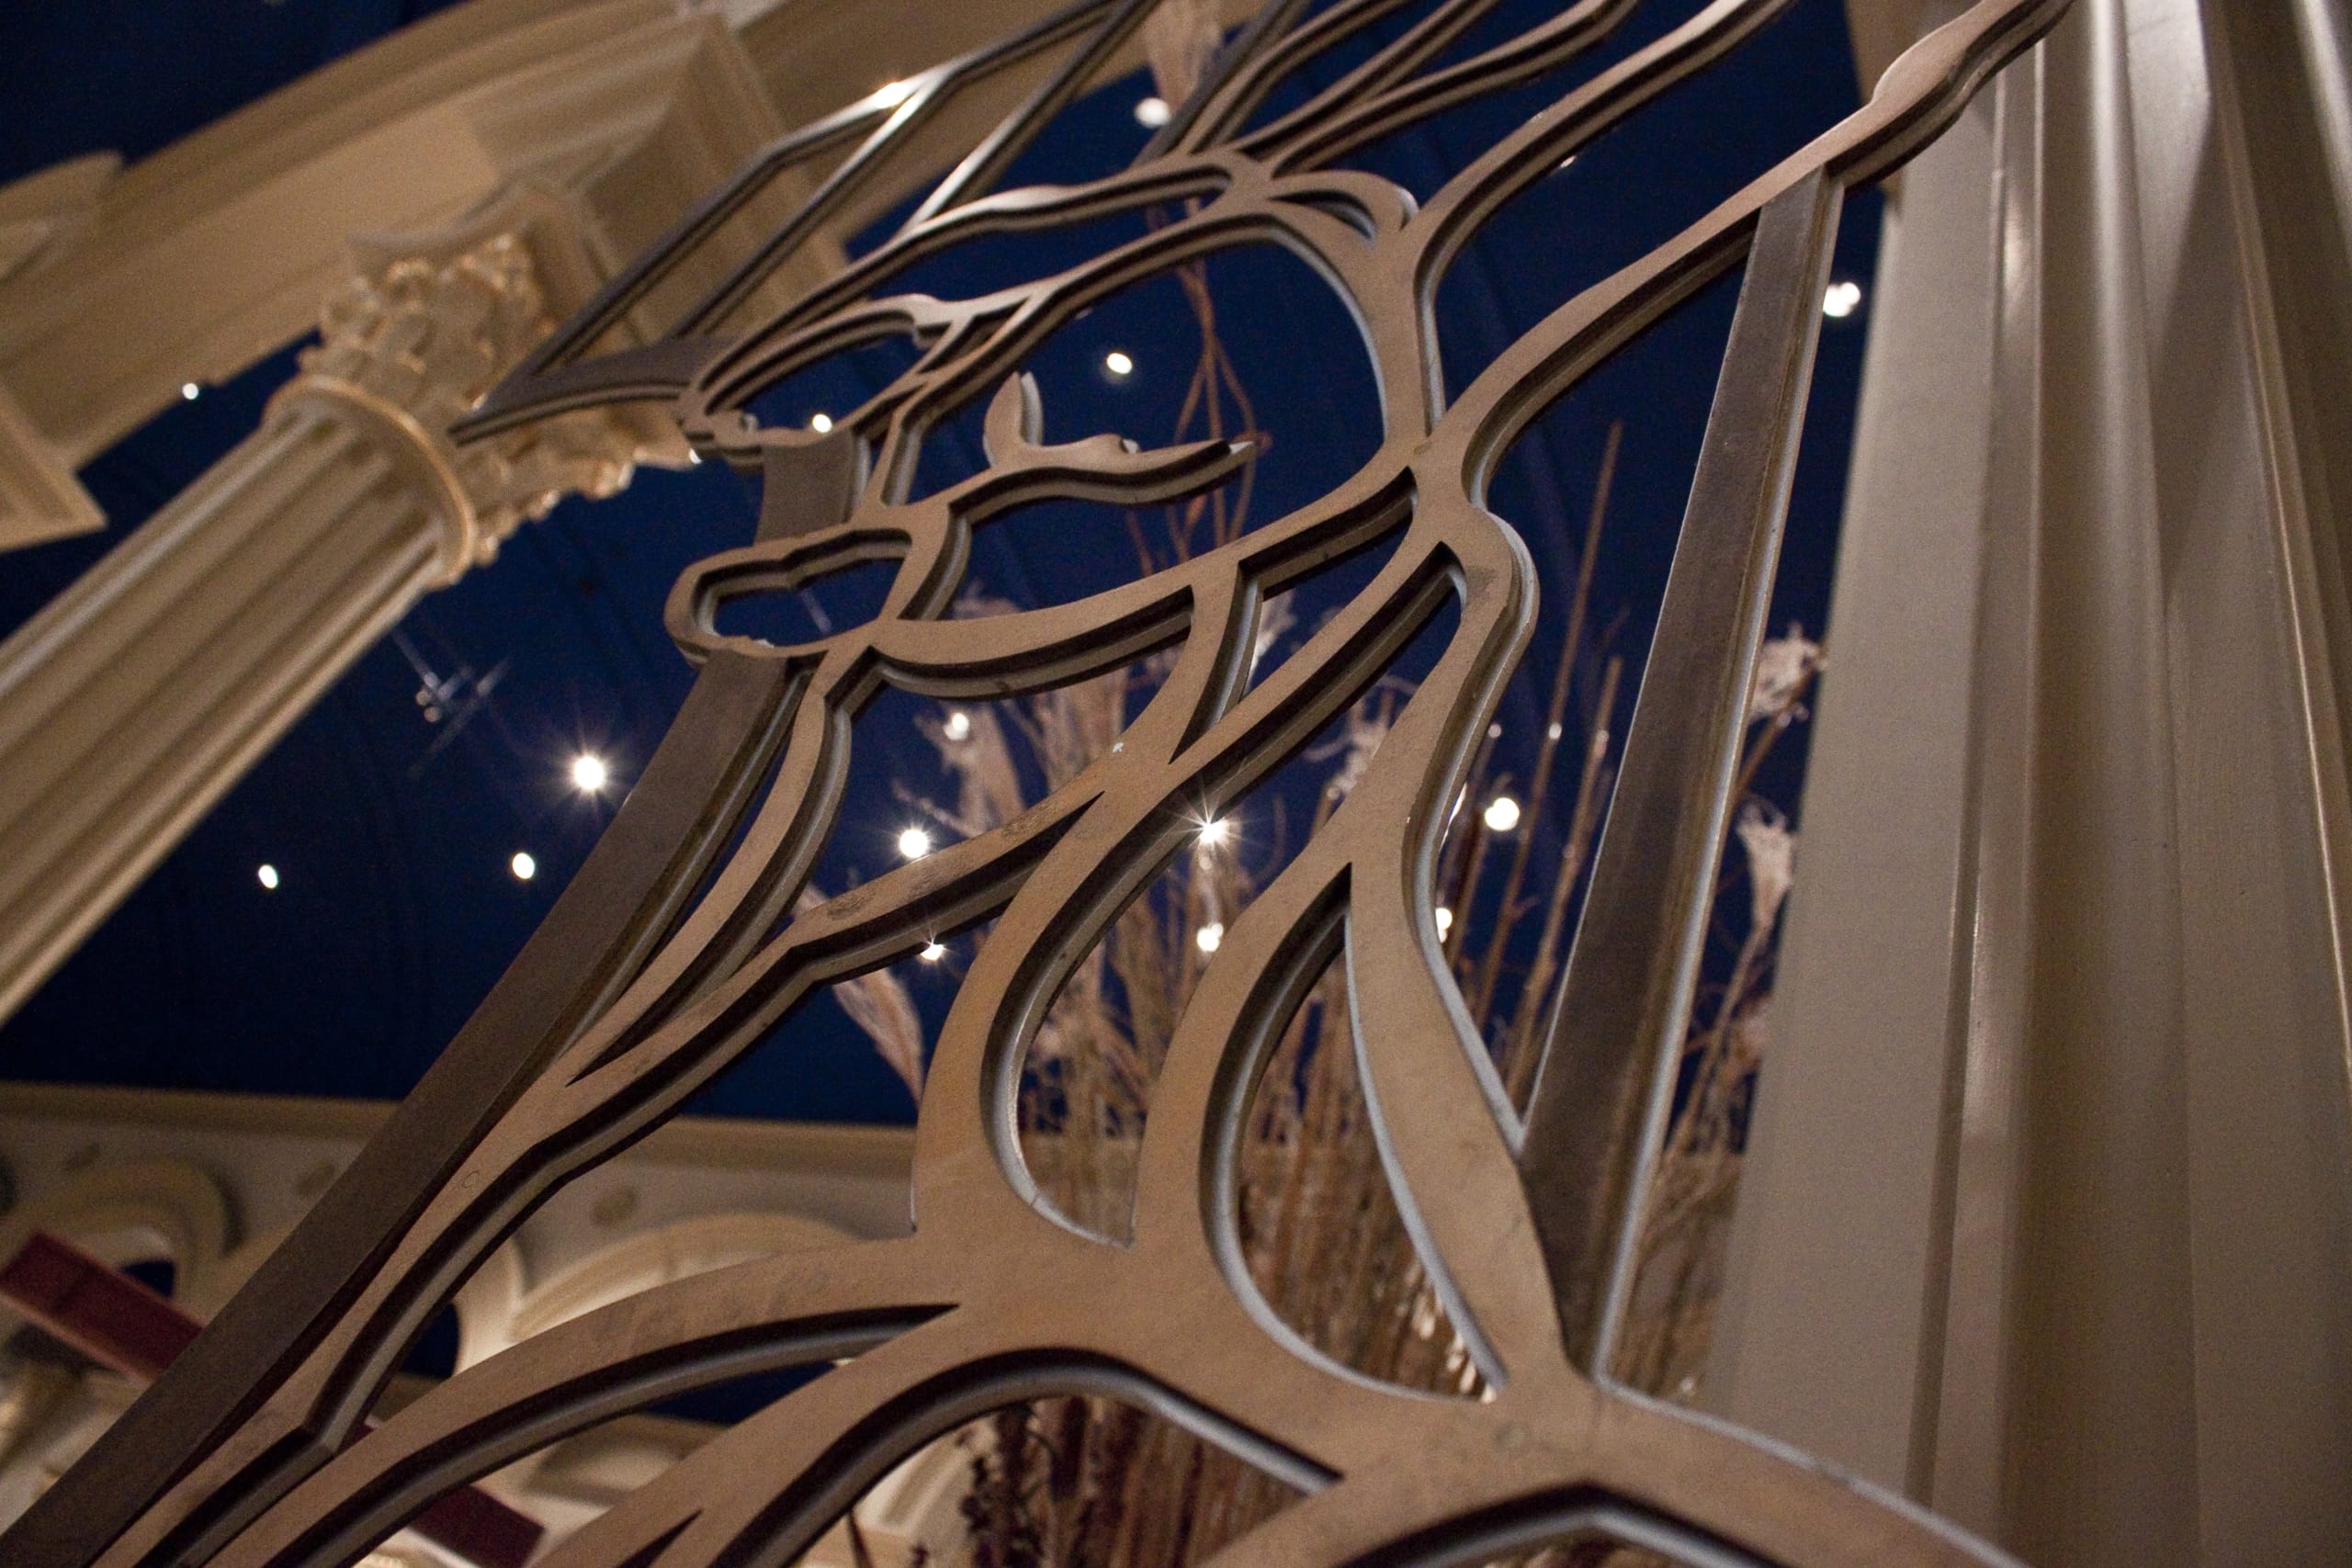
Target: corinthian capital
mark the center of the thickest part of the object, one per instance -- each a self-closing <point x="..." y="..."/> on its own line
<point x="419" y="335"/>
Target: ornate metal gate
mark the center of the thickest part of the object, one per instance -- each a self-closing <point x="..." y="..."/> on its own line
<point x="685" y="938"/>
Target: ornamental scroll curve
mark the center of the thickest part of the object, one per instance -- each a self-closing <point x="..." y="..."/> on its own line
<point x="681" y="944"/>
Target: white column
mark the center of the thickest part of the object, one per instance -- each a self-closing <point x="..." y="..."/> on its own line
<point x="141" y="694"/>
<point x="2047" y="1222"/>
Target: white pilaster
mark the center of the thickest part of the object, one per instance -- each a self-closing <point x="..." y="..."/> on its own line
<point x="2047" y="1222"/>
<point x="140" y="695"/>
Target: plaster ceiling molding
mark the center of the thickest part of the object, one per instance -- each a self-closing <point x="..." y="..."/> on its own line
<point x="592" y="1471"/>
<point x="488" y="1303"/>
<point x="916" y="1508"/>
<point x="921" y="1502"/>
<point x="41" y="215"/>
<point x="427" y="325"/>
<point x="135" y="1212"/>
<point x="714" y="117"/>
<point x="658" y="1257"/>
<point x="210" y="1291"/>
<point x="43" y="211"/>
<point x="39" y="498"/>
<point x="69" y="1416"/>
<point x="199" y="261"/>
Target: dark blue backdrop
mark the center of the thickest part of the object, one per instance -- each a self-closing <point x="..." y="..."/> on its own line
<point x="396" y="907"/>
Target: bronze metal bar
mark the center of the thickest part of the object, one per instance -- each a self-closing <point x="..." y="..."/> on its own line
<point x="516" y="398"/>
<point x="986" y="163"/>
<point x="1615" y="1033"/>
<point x="931" y="92"/>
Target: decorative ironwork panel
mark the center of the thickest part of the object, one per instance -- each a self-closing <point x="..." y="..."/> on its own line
<point x="687" y="936"/>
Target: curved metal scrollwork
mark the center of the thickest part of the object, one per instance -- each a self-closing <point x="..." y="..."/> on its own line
<point x="681" y="944"/>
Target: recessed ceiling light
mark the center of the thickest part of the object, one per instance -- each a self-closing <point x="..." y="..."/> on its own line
<point x="958" y="726"/>
<point x="914" y="844"/>
<point x="268" y="877"/>
<point x="1216" y="831"/>
<point x="1502" y="814"/>
<point x="190" y="391"/>
<point x="1210" y="937"/>
<point x="933" y="953"/>
<point x="589" y="773"/>
<point x="1118" y="364"/>
<point x="524" y="866"/>
<point x="1151" y="113"/>
<point x="693" y="456"/>
<point x="1445" y="920"/>
<point x="821" y="422"/>
<point x="1845" y="296"/>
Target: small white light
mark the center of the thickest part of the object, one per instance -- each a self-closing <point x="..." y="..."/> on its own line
<point x="1552" y="733"/>
<point x="589" y="773"/>
<point x="190" y="391"/>
<point x="1494" y="732"/>
<point x="1845" y="296"/>
<point x="524" y="866"/>
<point x="1118" y="363"/>
<point x="1208" y="938"/>
<point x="914" y="844"/>
<point x="1151" y="113"/>
<point x="268" y="875"/>
<point x="933" y="953"/>
<point x="1502" y="814"/>
<point x="1216" y="832"/>
<point x="891" y="94"/>
<point x="821" y="422"/>
<point x="1445" y="920"/>
<point x="958" y="726"/>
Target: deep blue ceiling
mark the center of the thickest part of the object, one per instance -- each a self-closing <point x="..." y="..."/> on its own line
<point x="396" y="907"/>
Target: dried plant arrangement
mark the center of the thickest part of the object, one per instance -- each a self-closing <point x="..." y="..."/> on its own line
<point x="1079" y="1482"/>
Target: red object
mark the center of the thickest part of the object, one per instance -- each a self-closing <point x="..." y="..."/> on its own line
<point x="99" y="1310"/>
<point x="121" y="1325"/>
<point x="471" y="1524"/>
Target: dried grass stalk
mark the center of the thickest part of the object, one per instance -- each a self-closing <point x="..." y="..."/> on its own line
<point x="1082" y="1482"/>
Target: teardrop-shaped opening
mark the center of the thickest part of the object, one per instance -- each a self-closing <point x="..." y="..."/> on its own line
<point x="1246" y="343"/>
<point x="487" y="1499"/>
<point x="1075" y="1481"/>
<point x="823" y="392"/>
<point x="1089" y="1073"/>
<point x="789" y="617"/>
<point x="1319" y="1227"/>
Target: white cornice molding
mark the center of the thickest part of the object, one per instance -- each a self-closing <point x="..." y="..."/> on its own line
<point x="733" y="1144"/>
<point x="39" y="498"/>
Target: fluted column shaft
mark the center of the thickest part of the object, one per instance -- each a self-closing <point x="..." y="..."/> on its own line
<point x="2047" y="1212"/>
<point x="137" y="697"/>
